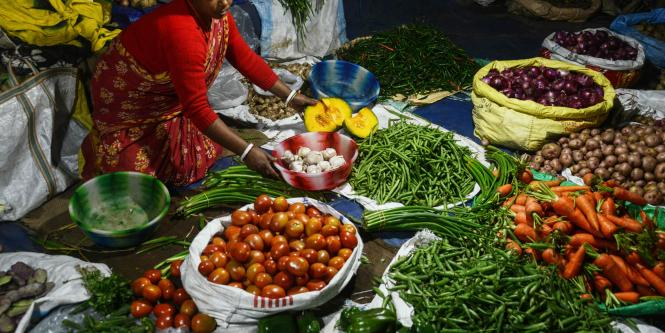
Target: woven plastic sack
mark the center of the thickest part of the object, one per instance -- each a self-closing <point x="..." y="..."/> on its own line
<point x="544" y="9"/>
<point x="621" y="73"/>
<point x="654" y="48"/>
<point x="527" y="125"/>
<point x="236" y="310"/>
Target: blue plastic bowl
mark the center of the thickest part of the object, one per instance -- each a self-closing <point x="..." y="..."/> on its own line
<point x="350" y="82"/>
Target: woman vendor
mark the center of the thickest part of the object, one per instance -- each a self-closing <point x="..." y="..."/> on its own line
<point x="151" y="111"/>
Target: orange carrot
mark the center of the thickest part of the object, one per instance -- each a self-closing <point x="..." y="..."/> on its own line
<point x="608" y="207"/>
<point x="525" y="233"/>
<point x="633" y="276"/>
<point x="533" y="253"/>
<point x="532" y="206"/>
<point x="597" y="196"/>
<point x="659" y="269"/>
<point x="613" y="272"/>
<point x="512" y="245"/>
<point x="601" y="283"/>
<point x="549" y="183"/>
<point x="504" y="190"/>
<point x="634" y="258"/>
<point x="545" y="230"/>
<point x="645" y="291"/>
<point x="646" y="221"/>
<point x="653" y="278"/>
<point x="626" y="223"/>
<point x="551" y="257"/>
<point x="581" y="238"/>
<point x="588" y="178"/>
<point x="574" y="265"/>
<point x="526" y="176"/>
<point x="573" y="188"/>
<point x="589" y="210"/>
<point x="521" y="199"/>
<point x="564" y="206"/>
<point x="509" y="201"/>
<point x="551" y="220"/>
<point x="518" y="208"/>
<point x="623" y="194"/>
<point x="611" y="183"/>
<point x="563" y="226"/>
<point x="628" y="296"/>
<point x="606" y="226"/>
<point x="522" y="218"/>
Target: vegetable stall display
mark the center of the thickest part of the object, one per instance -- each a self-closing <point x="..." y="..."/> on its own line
<point x="634" y="156"/>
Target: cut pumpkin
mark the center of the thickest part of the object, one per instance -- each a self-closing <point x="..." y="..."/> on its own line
<point x="362" y="124"/>
<point x="327" y="115"/>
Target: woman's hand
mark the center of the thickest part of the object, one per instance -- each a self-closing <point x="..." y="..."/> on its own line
<point x="300" y="102"/>
<point x="258" y="160"/>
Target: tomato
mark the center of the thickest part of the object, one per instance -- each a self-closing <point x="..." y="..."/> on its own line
<point x="279" y="250"/>
<point x="219" y="259"/>
<point x="336" y="262"/>
<point x="283" y="263"/>
<point x="232" y="232"/>
<point x="154" y="275"/>
<point x="323" y="257"/>
<point x="297" y="245"/>
<point x="188" y="307"/>
<point x="163" y="309"/>
<point x="237" y="272"/>
<point x="312" y="211"/>
<point x="202" y="323"/>
<point x="206" y="267"/>
<point x="267" y="236"/>
<point x="151" y="293"/>
<point x="255" y="242"/>
<point x="240" y="251"/>
<point x="264" y="224"/>
<point x="181" y="320"/>
<point x="254" y="290"/>
<point x="204" y="258"/>
<point x="309" y="255"/>
<point x="280" y="204"/>
<point x="278" y="222"/>
<point x="219" y="276"/>
<point x="330" y="273"/>
<point x="262" y="203"/>
<point x="278" y="239"/>
<point x="302" y="217"/>
<point x="164" y="322"/>
<point x="253" y="270"/>
<point x="140" y="308"/>
<point x="139" y="284"/>
<point x="238" y="285"/>
<point x="331" y="220"/>
<point x="297" y="266"/>
<point x="295" y="254"/>
<point x="345" y="253"/>
<point x="167" y="287"/>
<point x="210" y="249"/>
<point x="180" y="296"/>
<point x="294" y="228"/>
<point x="240" y="218"/>
<point x="318" y="270"/>
<point x="219" y="241"/>
<point x="273" y="291"/>
<point x="256" y="257"/>
<point x="333" y="244"/>
<point x="175" y="268"/>
<point x="283" y="280"/>
<point x="248" y="229"/>
<point x="314" y="285"/>
<point x="262" y="280"/>
<point x="348" y="228"/>
<point x="316" y="242"/>
<point x="297" y="290"/>
<point x="349" y="240"/>
<point x="330" y="230"/>
<point x="271" y="266"/>
<point x="291" y="215"/>
<point x="255" y="218"/>
<point x="167" y="294"/>
<point x="313" y="226"/>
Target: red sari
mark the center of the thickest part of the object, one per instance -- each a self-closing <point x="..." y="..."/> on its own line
<point x="150" y="95"/>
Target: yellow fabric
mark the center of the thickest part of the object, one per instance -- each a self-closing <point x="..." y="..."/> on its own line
<point x="55" y="22"/>
<point x="528" y="125"/>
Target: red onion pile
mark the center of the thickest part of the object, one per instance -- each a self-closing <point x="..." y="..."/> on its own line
<point x="546" y="86"/>
<point x="599" y="44"/>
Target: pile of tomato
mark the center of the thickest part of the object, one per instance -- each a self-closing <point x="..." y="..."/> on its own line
<point x="159" y="296"/>
<point x="278" y="249"/>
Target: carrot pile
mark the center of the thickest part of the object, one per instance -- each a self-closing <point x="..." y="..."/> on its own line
<point x="586" y="231"/>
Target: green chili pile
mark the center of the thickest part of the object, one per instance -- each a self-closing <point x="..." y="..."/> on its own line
<point x="412" y="59"/>
<point x="412" y="165"/>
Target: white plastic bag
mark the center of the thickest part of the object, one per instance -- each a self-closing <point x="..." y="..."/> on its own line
<point x="239" y="311"/>
<point x="227" y="91"/>
<point x="294" y="82"/>
<point x="61" y="270"/>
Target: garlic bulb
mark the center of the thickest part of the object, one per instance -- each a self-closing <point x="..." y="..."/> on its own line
<point x="325" y="166"/>
<point x="297" y="166"/>
<point x="313" y="169"/>
<point x="337" y="161"/>
<point x="314" y="157"/>
<point x="329" y="153"/>
<point x="288" y="157"/>
<point x="303" y="151"/>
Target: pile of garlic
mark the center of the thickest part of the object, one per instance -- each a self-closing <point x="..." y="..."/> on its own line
<point x="312" y="161"/>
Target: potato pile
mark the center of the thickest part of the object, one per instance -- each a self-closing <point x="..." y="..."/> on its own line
<point x="633" y="155"/>
<point x="656" y="31"/>
<point x="273" y="107"/>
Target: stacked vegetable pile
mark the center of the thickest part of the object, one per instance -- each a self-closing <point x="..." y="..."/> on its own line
<point x="413" y="165"/>
<point x="19" y="287"/>
<point x="278" y="249"/>
<point x="634" y="156"/>
<point x="599" y="44"/>
<point x="656" y="31"/>
<point x="586" y="231"/>
<point x="412" y="59"/>
<point x="546" y="86"/>
<point x="273" y="107"/>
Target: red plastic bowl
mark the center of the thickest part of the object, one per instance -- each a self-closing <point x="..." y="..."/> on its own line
<point x="328" y="180"/>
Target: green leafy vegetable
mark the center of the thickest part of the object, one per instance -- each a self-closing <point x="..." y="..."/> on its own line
<point x="107" y="293"/>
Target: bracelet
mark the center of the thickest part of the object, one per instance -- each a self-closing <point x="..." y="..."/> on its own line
<point x="244" y="153"/>
<point x="291" y="96"/>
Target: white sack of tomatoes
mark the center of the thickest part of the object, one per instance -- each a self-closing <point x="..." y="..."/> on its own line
<point x="237" y="310"/>
<point x="509" y="116"/>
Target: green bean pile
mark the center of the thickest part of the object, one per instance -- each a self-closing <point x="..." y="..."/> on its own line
<point x="412" y="59"/>
<point x="412" y="165"/>
<point x="474" y="288"/>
